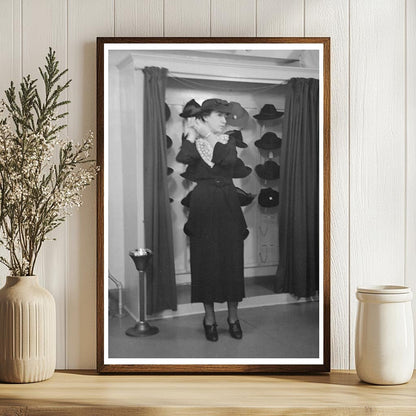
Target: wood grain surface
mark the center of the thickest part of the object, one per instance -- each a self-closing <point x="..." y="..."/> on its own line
<point x="339" y="393"/>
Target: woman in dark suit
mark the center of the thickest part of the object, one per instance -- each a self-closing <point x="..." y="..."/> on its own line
<point x="216" y="225"/>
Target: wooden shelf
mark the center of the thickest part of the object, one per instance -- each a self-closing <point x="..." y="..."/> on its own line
<point x="85" y="392"/>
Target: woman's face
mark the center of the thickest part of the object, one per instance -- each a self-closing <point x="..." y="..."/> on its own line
<point x="216" y="122"/>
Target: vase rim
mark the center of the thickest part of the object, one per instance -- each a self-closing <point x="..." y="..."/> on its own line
<point x="384" y="289"/>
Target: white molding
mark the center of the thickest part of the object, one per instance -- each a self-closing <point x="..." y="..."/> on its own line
<point x="202" y="65"/>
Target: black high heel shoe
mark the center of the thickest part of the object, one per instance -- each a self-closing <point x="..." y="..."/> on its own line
<point x="211" y="333"/>
<point x="235" y="329"/>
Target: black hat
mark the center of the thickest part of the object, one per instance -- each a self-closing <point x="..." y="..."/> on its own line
<point x="170" y="171"/>
<point x="244" y="198"/>
<point x="269" y="141"/>
<point x="268" y="197"/>
<point x="269" y="170"/>
<point x="191" y="109"/>
<point x="187" y="200"/>
<point x="189" y="173"/>
<point x="167" y="112"/>
<point x="238" y="137"/>
<point x="168" y="142"/>
<point x="215" y="104"/>
<point x="237" y="116"/>
<point x="240" y="170"/>
<point x="268" y="112"/>
<point x="170" y="200"/>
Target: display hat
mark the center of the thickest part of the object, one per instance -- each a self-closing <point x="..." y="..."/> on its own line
<point x="244" y="197"/>
<point x="240" y="170"/>
<point x="269" y="141"/>
<point x="238" y="137"/>
<point x="170" y="171"/>
<point x="269" y="170"/>
<point x="268" y="112"/>
<point x="237" y="116"/>
<point x="187" y="200"/>
<point x="167" y="112"/>
<point x="215" y="104"/>
<point x="268" y="197"/>
<point x="191" y="109"/>
<point x="189" y="173"/>
<point x="170" y="200"/>
<point x="168" y="142"/>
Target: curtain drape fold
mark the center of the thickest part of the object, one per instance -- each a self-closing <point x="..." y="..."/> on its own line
<point x="161" y="289"/>
<point x="298" y="270"/>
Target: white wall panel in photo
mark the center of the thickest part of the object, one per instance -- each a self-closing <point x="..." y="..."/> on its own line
<point x="377" y="152"/>
<point x="86" y="21"/>
<point x="330" y="18"/>
<point x="233" y="18"/>
<point x="138" y="17"/>
<point x="187" y="18"/>
<point x="44" y="25"/>
<point x="411" y="149"/>
<point x="280" y="18"/>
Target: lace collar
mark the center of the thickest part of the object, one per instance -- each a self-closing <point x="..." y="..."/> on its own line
<point x="205" y="150"/>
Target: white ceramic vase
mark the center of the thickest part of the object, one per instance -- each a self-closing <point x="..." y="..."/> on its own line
<point x="384" y="338"/>
<point x="27" y="331"/>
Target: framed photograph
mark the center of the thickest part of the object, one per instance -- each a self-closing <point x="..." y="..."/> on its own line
<point x="213" y="232"/>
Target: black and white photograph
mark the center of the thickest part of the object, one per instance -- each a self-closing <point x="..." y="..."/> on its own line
<point x="213" y="213"/>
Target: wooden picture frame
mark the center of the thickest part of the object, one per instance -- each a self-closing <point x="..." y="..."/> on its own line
<point x="244" y="62"/>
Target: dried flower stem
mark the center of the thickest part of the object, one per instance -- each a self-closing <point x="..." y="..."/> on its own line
<point x="37" y="194"/>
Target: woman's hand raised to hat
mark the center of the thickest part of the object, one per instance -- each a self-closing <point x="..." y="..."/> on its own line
<point x="190" y="131"/>
<point x="201" y="128"/>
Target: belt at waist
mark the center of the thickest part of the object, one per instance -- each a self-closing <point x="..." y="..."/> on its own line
<point x="220" y="182"/>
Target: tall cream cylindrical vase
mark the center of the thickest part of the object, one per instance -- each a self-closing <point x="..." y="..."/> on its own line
<point x="27" y="331"/>
<point x="384" y="341"/>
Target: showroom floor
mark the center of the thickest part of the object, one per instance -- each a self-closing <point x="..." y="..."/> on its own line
<point x="277" y="331"/>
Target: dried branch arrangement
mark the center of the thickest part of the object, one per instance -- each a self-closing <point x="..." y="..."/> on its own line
<point x="42" y="176"/>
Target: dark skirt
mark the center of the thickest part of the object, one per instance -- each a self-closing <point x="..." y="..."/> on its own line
<point x="216" y="228"/>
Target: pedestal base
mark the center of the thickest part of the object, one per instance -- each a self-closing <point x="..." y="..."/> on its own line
<point x="142" y="329"/>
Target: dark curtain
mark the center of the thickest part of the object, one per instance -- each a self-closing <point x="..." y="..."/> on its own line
<point x="161" y="292"/>
<point x="298" y="270"/>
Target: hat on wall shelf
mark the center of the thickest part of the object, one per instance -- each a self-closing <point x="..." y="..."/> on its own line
<point x="244" y="197"/>
<point x="189" y="173"/>
<point x="269" y="141"/>
<point x="269" y="170"/>
<point x="168" y="142"/>
<point x="268" y="197"/>
<point x="237" y="116"/>
<point x="268" y="112"/>
<point x="240" y="170"/>
<point x="238" y="137"/>
<point x="187" y="200"/>
<point x="167" y="112"/>
<point x="191" y="109"/>
<point x="170" y="171"/>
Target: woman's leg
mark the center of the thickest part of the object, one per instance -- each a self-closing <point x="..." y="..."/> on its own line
<point x="233" y="323"/>
<point x="232" y="311"/>
<point x="210" y="326"/>
<point x="209" y="314"/>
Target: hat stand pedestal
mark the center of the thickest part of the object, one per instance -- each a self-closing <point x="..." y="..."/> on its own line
<point x="141" y="258"/>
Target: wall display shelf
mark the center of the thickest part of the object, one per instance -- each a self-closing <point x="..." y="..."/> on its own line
<point x="86" y="393"/>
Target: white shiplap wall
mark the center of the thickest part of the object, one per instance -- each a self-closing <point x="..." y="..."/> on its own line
<point x="373" y="126"/>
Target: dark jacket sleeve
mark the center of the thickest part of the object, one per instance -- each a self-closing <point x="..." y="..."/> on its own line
<point x="188" y="153"/>
<point x="224" y="154"/>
